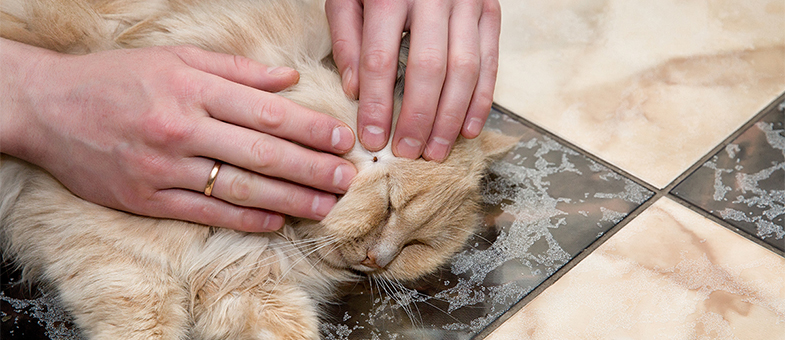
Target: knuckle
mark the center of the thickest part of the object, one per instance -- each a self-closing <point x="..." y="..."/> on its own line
<point x="429" y="60"/>
<point x="451" y="120"/>
<point x="342" y="48"/>
<point x="135" y="198"/>
<point x="145" y="167"/>
<point x="466" y="64"/>
<point x="492" y="7"/>
<point x="379" y="61"/>
<point x="373" y="110"/>
<point x="264" y="155"/>
<point x="315" y="170"/>
<point x="483" y="101"/>
<point x="384" y="5"/>
<point x="475" y="5"/>
<point x="320" y="131"/>
<point x="292" y="201"/>
<point x="248" y="220"/>
<point x="271" y="114"/>
<point x="240" y="188"/>
<point x="420" y="118"/>
<point x="206" y="214"/>
<point x="130" y="199"/>
<point x="419" y="115"/>
<point x="491" y="63"/>
<point x="241" y="63"/>
<point x="181" y="84"/>
<point x="166" y="130"/>
<point x="154" y="168"/>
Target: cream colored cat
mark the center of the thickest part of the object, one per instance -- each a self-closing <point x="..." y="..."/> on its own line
<point x="128" y="277"/>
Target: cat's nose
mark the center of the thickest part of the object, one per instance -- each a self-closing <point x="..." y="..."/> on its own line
<point x="370" y="261"/>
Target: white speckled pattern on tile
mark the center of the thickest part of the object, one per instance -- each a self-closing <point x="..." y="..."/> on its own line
<point x="669" y="274"/>
<point x="646" y="86"/>
<point x="650" y="86"/>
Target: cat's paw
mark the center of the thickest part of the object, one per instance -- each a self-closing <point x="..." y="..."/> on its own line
<point x="261" y="313"/>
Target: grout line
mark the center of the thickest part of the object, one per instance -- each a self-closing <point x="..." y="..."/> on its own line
<point x="714" y="218"/>
<point x="658" y="194"/>
<point x="725" y="142"/>
<point x="577" y="258"/>
<point x="578" y="149"/>
<point x="574" y="261"/>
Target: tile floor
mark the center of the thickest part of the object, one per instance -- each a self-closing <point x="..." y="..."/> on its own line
<point x="645" y="200"/>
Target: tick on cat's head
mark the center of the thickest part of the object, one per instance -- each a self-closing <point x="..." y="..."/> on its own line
<point x="402" y="218"/>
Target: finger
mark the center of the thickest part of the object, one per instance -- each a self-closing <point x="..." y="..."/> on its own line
<point x="196" y="207"/>
<point x="247" y="189"/>
<point x="272" y="156"/>
<point x="463" y="68"/>
<point x="480" y="107"/>
<point x="382" y="29"/>
<point x="425" y="72"/>
<point x="275" y="115"/>
<point x="244" y="188"/>
<point x="346" y="24"/>
<point x="237" y="69"/>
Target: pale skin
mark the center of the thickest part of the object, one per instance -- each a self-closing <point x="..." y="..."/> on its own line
<point x="450" y="76"/>
<point x="139" y="130"/>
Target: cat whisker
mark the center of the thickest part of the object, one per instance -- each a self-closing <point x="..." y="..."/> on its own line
<point x="413" y="301"/>
<point x="289" y="249"/>
<point x="396" y="291"/>
<point x="371" y="280"/>
<point x="424" y="299"/>
<point x="473" y="233"/>
<point x="320" y="259"/>
<point x="285" y="250"/>
<point x="323" y="242"/>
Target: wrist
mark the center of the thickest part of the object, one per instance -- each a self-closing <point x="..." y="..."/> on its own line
<point x="20" y="73"/>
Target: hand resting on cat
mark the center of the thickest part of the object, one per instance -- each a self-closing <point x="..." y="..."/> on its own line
<point x="140" y="130"/>
<point x="124" y="276"/>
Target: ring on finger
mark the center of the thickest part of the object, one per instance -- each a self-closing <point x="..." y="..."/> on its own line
<point x="208" y="189"/>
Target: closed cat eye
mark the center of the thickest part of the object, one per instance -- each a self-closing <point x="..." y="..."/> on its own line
<point x="416" y="243"/>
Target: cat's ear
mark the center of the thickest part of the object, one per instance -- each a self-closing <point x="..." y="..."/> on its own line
<point x="495" y="145"/>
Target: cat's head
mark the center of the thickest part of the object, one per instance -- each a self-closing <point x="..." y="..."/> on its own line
<point x="405" y="218"/>
<point x="401" y="218"/>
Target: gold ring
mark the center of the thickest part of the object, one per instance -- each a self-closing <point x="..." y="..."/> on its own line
<point x="208" y="189"/>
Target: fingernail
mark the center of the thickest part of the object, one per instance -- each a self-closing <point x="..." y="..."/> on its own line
<point x="346" y="81"/>
<point x="279" y="70"/>
<point x="373" y="138"/>
<point x="343" y="176"/>
<point x="342" y="138"/>
<point x="409" y="148"/>
<point x="321" y="206"/>
<point x="474" y="127"/>
<point x="273" y="222"/>
<point x="437" y="149"/>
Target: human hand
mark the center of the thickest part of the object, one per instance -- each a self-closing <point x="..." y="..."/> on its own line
<point x="140" y="130"/>
<point x="450" y="75"/>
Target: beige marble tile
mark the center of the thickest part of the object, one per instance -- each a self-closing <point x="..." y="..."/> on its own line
<point x="669" y="274"/>
<point x="650" y="86"/>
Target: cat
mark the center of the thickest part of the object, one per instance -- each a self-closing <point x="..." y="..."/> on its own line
<point x="124" y="276"/>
